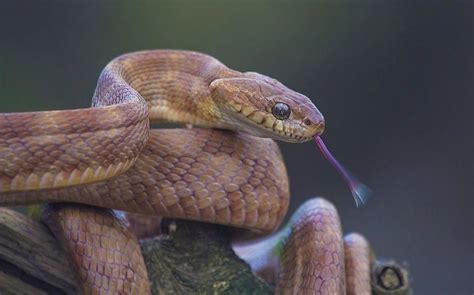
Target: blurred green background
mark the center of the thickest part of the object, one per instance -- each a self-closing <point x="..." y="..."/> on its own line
<point x="393" y="78"/>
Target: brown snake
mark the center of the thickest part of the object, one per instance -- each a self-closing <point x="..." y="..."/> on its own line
<point x="106" y="156"/>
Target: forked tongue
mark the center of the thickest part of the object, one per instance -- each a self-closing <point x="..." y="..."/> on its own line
<point x="360" y="191"/>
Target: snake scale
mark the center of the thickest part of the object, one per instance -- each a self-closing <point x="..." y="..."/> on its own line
<point x="229" y="172"/>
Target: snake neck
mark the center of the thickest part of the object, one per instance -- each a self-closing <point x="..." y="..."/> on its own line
<point x="174" y="84"/>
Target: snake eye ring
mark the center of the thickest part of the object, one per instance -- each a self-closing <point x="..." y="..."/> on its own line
<point x="281" y="111"/>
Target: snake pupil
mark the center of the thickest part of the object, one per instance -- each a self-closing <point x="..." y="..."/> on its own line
<point x="281" y="111"/>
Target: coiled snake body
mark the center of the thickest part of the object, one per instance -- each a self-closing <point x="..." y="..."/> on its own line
<point x="106" y="156"/>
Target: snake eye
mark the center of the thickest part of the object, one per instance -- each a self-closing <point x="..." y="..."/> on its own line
<point x="281" y="111"/>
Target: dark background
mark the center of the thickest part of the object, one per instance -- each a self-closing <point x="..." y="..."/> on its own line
<point x="393" y="78"/>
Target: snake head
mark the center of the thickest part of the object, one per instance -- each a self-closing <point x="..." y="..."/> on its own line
<point x="264" y="107"/>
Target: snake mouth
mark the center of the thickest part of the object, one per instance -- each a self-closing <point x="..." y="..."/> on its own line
<point x="303" y="138"/>
<point x="298" y="137"/>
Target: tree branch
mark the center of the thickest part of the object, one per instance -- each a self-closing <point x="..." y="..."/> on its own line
<point x="31" y="261"/>
<point x="197" y="258"/>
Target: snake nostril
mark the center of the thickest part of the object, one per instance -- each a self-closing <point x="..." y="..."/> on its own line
<point x="307" y="121"/>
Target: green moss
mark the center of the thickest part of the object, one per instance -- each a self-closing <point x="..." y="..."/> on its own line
<point x="197" y="259"/>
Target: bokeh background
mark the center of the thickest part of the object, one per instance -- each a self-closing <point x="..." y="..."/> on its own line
<point x="393" y="78"/>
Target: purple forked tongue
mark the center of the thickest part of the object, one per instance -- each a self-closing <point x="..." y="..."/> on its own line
<point x="360" y="191"/>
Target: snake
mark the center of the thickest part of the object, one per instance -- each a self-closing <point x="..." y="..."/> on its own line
<point x="226" y="170"/>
